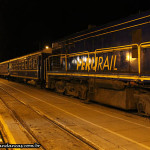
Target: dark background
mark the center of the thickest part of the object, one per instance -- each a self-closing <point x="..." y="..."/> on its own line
<point x="27" y="25"/>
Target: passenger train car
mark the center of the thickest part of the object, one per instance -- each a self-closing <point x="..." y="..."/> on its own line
<point x="108" y="64"/>
<point x="28" y="67"/>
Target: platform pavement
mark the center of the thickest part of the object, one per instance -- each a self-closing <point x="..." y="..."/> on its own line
<point x="14" y="132"/>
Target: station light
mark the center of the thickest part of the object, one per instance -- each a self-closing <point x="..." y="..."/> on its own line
<point x="47" y="47"/>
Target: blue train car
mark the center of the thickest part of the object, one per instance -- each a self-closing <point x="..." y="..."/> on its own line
<point x="109" y="64"/>
<point x="26" y="68"/>
<point x="29" y="67"/>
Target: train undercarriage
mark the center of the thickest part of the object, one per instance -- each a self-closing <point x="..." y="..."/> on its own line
<point x="119" y="94"/>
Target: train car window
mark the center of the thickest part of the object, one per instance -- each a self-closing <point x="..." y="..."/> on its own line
<point x="30" y="63"/>
<point x="16" y="65"/>
<point x="26" y="64"/>
<point x="56" y="62"/>
<point x="22" y="64"/>
<point x="35" y="63"/>
<point x="9" y="66"/>
<point x="13" y="66"/>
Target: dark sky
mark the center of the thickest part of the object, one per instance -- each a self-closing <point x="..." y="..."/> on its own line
<point x="26" y="25"/>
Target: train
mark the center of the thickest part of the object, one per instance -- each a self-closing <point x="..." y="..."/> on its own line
<point x="108" y="64"/>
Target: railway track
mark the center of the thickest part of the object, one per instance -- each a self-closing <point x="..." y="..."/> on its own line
<point x="99" y="127"/>
<point x="71" y="133"/>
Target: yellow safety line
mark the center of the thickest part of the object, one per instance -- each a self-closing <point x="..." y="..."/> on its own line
<point x="11" y="138"/>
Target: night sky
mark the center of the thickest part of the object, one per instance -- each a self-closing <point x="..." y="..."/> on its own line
<point x="27" y="25"/>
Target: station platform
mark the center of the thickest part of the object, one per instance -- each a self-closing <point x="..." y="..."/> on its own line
<point x="30" y="115"/>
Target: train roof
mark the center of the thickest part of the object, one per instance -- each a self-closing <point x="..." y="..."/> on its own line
<point x="48" y="51"/>
<point x="125" y="22"/>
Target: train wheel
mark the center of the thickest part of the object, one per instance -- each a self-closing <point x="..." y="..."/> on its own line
<point x="140" y="108"/>
<point x="143" y="105"/>
<point x="66" y="91"/>
<point x="60" y="86"/>
<point x="82" y="95"/>
<point x="87" y="100"/>
<point x="82" y="92"/>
